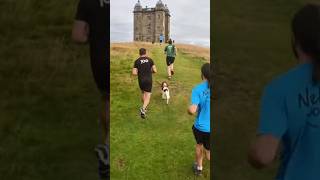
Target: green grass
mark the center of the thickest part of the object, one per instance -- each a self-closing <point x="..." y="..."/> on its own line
<point x="49" y="104"/>
<point x="161" y="147"/>
<point x="251" y="45"/>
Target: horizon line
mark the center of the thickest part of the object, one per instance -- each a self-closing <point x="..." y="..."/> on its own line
<point x="194" y="44"/>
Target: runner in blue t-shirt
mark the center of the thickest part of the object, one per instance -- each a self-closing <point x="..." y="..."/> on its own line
<point x="200" y="105"/>
<point x="290" y="112"/>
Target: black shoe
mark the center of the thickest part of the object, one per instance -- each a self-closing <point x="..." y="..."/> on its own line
<point x="143" y="116"/>
<point x="142" y="113"/>
<point x="102" y="153"/>
<point x="196" y="171"/>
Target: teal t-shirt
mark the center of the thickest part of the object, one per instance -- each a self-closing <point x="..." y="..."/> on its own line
<point x="201" y="97"/>
<point x="290" y="111"/>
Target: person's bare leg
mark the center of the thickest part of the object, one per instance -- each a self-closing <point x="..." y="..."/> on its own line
<point x="207" y="154"/>
<point x="147" y="97"/>
<point x="142" y="96"/>
<point x="199" y="155"/>
<point x="169" y="71"/>
<point x="102" y="150"/>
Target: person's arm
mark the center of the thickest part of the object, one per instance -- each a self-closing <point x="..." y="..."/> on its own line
<point x="154" y="69"/>
<point x="135" y="68"/>
<point x="165" y="50"/>
<point x="174" y="50"/>
<point x="195" y="100"/>
<point x="80" y="29"/>
<point x="134" y="71"/>
<point x="263" y="151"/>
<point x="153" y="66"/>
<point x="272" y="127"/>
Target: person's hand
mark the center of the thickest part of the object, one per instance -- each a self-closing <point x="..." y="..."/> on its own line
<point x="192" y="110"/>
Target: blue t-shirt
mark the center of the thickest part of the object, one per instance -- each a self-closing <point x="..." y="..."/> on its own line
<point x="290" y="112"/>
<point x="161" y="37"/>
<point x="201" y="97"/>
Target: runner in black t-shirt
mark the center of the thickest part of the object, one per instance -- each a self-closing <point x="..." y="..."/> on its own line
<point x="144" y="67"/>
<point x="92" y="25"/>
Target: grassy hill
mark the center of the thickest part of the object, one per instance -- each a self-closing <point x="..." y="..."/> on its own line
<point x="49" y="103"/>
<point x="161" y="147"/>
<point x="252" y="45"/>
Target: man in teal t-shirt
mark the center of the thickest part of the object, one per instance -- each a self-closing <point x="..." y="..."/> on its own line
<point x="170" y="51"/>
<point x="200" y="105"/>
<point x="290" y="108"/>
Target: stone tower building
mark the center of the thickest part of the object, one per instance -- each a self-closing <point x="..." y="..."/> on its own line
<point x="150" y="23"/>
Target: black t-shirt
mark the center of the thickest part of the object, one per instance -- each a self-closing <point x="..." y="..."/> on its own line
<point x="144" y="66"/>
<point x="96" y="14"/>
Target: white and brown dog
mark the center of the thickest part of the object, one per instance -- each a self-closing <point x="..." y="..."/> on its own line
<point x="165" y="91"/>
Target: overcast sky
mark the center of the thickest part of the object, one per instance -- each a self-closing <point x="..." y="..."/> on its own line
<point x="190" y="20"/>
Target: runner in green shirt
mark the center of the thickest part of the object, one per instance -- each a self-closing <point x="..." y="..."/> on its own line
<point x="170" y="51"/>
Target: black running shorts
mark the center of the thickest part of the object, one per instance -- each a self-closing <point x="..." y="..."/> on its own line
<point x="170" y="60"/>
<point x="202" y="137"/>
<point x="146" y="85"/>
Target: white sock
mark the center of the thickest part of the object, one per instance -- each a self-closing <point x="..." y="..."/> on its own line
<point x="199" y="168"/>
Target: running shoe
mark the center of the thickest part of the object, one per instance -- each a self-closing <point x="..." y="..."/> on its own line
<point x="102" y="153"/>
<point x="196" y="171"/>
<point x="142" y="113"/>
